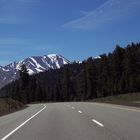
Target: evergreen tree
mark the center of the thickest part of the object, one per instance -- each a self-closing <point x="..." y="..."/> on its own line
<point x="91" y="79"/>
<point x="24" y="76"/>
<point x="118" y="58"/>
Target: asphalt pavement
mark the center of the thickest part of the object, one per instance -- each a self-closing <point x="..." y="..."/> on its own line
<point x="72" y="121"/>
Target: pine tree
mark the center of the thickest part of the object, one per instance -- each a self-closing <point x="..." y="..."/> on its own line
<point x="91" y="78"/>
<point x="118" y="58"/>
<point x="24" y="76"/>
<point x="66" y="83"/>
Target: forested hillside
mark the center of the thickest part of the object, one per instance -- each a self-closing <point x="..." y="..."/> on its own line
<point x="111" y="74"/>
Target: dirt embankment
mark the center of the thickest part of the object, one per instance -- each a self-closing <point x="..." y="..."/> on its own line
<point x="8" y="105"/>
<point x="130" y="99"/>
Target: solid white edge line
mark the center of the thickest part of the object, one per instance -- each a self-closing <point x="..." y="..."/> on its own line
<point x="8" y="135"/>
<point x="80" y="111"/>
<point x="100" y="124"/>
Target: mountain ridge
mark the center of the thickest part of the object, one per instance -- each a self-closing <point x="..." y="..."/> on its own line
<point x="34" y="64"/>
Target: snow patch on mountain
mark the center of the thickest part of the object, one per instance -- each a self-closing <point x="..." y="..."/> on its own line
<point x="34" y="64"/>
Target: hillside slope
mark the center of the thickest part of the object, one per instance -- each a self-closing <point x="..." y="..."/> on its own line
<point x="8" y="105"/>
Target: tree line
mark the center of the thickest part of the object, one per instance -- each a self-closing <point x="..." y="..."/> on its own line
<point x="110" y="74"/>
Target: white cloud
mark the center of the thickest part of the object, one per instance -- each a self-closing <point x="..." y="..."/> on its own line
<point x="107" y="12"/>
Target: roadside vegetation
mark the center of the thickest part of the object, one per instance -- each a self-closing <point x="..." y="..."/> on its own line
<point x="130" y="99"/>
<point x="8" y="105"/>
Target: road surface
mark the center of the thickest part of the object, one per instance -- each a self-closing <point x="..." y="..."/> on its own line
<point x="72" y="121"/>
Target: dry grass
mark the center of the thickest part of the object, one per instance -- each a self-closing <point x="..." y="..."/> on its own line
<point x="130" y="99"/>
<point x="8" y="105"/>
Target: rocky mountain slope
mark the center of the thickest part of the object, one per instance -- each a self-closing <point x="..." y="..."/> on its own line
<point x="34" y="64"/>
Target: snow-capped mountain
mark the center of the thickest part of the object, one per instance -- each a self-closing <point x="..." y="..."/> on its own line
<point x="34" y="64"/>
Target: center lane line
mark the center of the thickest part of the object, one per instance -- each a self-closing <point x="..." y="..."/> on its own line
<point x="80" y="111"/>
<point x="95" y="121"/>
<point x="100" y="124"/>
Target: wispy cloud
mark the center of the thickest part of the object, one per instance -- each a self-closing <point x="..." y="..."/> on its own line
<point x="11" y="45"/>
<point x="16" y="11"/>
<point x="109" y="11"/>
<point x="6" y="53"/>
<point x="13" y="41"/>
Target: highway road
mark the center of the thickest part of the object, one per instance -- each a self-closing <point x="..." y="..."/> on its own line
<point x="72" y="121"/>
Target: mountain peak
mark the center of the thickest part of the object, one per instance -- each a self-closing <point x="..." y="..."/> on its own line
<point x="34" y="64"/>
<point x="53" y="55"/>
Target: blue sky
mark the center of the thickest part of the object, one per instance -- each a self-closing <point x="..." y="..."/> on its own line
<point x="75" y="29"/>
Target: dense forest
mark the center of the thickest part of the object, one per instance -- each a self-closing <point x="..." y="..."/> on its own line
<point x="110" y="74"/>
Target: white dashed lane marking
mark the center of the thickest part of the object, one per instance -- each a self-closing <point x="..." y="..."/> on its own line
<point x="80" y="111"/>
<point x="93" y="120"/>
<point x="100" y="124"/>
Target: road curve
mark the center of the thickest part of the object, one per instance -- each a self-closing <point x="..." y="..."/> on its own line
<point x="72" y="121"/>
